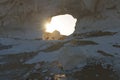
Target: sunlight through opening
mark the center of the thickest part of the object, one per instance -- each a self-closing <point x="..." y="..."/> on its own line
<point x="65" y="24"/>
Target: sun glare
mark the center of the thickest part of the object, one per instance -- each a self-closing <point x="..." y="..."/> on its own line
<point x="65" y="24"/>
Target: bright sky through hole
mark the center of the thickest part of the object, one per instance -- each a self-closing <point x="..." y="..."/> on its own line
<point x="65" y="24"/>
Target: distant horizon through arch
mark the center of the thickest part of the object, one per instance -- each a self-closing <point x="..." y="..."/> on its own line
<point x="65" y="24"/>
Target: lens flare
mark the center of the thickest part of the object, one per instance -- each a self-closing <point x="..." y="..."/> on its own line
<point x="65" y="24"/>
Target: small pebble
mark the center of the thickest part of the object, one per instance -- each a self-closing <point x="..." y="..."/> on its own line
<point x="37" y="66"/>
<point x="44" y="71"/>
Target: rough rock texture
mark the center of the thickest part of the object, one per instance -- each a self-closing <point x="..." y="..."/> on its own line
<point x="91" y="53"/>
<point x="53" y="36"/>
<point x="30" y="15"/>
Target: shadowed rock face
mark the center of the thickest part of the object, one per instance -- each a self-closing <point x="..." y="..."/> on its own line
<point x="25" y="14"/>
<point x="96" y="72"/>
<point x="18" y="57"/>
<point x="24" y="10"/>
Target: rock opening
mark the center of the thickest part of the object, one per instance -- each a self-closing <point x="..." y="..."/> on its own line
<point x="59" y="27"/>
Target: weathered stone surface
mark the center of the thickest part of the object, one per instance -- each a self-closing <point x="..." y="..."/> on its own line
<point x="24" y="13"/>
<point x="53" y="36"/>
